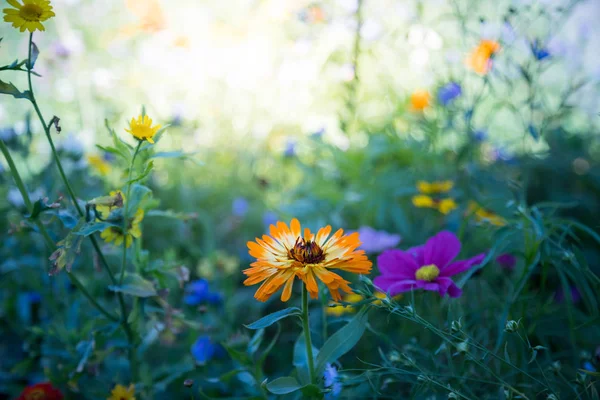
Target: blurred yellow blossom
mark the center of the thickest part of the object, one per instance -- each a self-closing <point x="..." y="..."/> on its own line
<point x="337" y="309"/>
<point x="98" y="164"/>
<point x="423" y="200"/>
<point x="28" y="15"/>
<point x="434" y="187"/>
<point x="420" y="100"/>
<point x="484" y="215"/>
<point x="480" y="59"/>
<point x="121" y="392"/>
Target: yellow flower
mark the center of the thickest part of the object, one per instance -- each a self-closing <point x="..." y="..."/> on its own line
<point x="483" y="215"/>
<point x="99" y="164"/>
<point x="445" y="206"/>
<point x="337" y="309"/>
<point x="115" y="234"/>
<point x="142" y="128"/>
<point x="480" y="59"/>
<point x="121" y="392"/>
<point x="28" y="15"/>
<point x="434" y="187"/>
<point x="420" y="100"/>
<point x="291" y="252"/>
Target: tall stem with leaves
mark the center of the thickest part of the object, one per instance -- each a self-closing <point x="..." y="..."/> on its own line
<point x="46" y="127"/>
<point x="307" y="336"/>
<point x="126" y="213"/>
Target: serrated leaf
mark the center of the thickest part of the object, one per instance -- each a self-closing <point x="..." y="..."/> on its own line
<point x="342" y="341"/>
<point x="135" y="285"/>
<point x="10" y="89"/>
<point x="274" y="317"/>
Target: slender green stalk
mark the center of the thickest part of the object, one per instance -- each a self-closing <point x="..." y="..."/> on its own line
<point x="124" y="323"/>
<point x="126" y="213"/>
<point x="42" y="229"/>
<point x="307" y="337"/>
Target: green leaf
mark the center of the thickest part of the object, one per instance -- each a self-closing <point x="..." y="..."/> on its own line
<point x="93" y="227"/>
<point x="256" y="341"/>
<point x="238" y="356"/>
<point x="120" y="145"/>
<point x="10" y="89"/>
<point x="40" y="206"/>
<point x="135" y="285"/>
<point x="274" y="317"/>
<point x="300" y="359"/>
<point x="284" y="385"/>
<point x="342" y="341"/>
<point x="67" y="250"/>
<point x="113" y="150"/>
<point x="137" y="195"/>
<point x="145" y="173"/>
<point x="35" y="52"/>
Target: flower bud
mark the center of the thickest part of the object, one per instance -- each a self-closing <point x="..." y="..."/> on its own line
<point x="188" y="383"/>
<point x="456" y="326"/>
<point x="511" y="326"/>
<point x="462" y="347"/>
<point x="115" y="200"/>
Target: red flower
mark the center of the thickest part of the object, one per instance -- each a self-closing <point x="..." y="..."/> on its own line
<point x="41" y="391"/>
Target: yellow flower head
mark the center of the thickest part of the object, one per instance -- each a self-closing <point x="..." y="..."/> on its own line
<point x="289" y="253"/>
<point x="121" y="392"/>
<point x="480" y="59"/>
<point x="28" y="15"/>
<point x="483" y="215"/>
<point x="420" y="100"/>
<point x="99" y="164"/>
<point x="115" y="234"/>
<point x="142" y="128"/>
<point x="434" y="187"/>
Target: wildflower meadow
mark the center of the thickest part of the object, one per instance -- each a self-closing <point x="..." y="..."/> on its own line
<point x="264" y="199"/>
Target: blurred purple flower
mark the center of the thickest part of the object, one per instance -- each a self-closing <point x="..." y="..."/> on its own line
<point x="198" y="292"/>
<point x="449" y="92"/>
<point x="205" y="350"/>
<point x="269" y="218"/>
<point x="331" y="381"/>
<point x="240" y="206"/>
<point x="559" y="295"/>
<point x="479" y="135"/>
<point x="427" y="267"/>
<point x="374" y="241"/>
<point x="319" y="134"/>
<point x="507" y="261"/>
<point x="539" y="52"/>
<point x="290" y="148"/>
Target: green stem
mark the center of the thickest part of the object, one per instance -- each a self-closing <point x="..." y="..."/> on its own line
<point x="42" y="229"/>
<point x="126" y="213"/>
<point x="126" y="327"/>
<point x="307" y="337"/>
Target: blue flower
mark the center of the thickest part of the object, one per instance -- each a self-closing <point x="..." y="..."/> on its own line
<point x="449" y="92"/>
<point x="588" y="366"/>
<point x="480" y="135"/>
<point x="374" y="241"/>
<point x="290" y="148"/>
<point x="539" y="52"/>
<point x="205" y="350"/>
<point x="198" y="292"/>
<point x="240" y="207"/>
<point x="269" y="218"/>
<point x="331" y="381"/>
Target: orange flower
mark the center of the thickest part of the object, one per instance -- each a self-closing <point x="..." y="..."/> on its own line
<point x="288" y="254"/>
<point x="420" y="100"/>
<point x="480" y="59"/>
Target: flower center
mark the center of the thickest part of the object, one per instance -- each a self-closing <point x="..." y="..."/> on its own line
<point x="142" y="131"/>
<point x="306" y="252"/>
<point x="427" y="273"/>
<point x="31" y="12"/>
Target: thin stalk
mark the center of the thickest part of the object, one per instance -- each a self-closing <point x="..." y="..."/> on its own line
<point x="126" y="213"/>
<point x="126" y="327"/>
<point x="307" y="337"/>
<point x="42" y="229"/>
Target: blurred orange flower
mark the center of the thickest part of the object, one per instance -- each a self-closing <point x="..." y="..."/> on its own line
<point x="480" y="60"/>
<point x="420" y="100"/>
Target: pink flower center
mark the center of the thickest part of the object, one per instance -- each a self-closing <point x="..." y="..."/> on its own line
<point x="427" y="273"/>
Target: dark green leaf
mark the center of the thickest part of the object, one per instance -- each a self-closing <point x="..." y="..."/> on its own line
<point x="342" y="341"/>
<point x="256" y="341"/>
<point x="237" y="355"/>
<point x="274" y="317"/>
<point x="135" y="285"/>
<point x="93" y="227"/>
<point x="284" y="385"/>
<point x="144" y="173"/>
<point x="35" y="52"/>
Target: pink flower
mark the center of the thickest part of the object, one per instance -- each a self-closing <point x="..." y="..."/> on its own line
<point x="427" y="267"/>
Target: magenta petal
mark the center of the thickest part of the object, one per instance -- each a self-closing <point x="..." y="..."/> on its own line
<point x="417" y="253"/>
<point x="425" y="285"/>
<point x="397" y="264"/>
<point x="454" y="291"/>
<point x="461" y="266"/>
<point x="401" y="286"/>
<point x="441" y="249"/>
<point x="443" y="285"/>
<point x="383" y="283"/>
